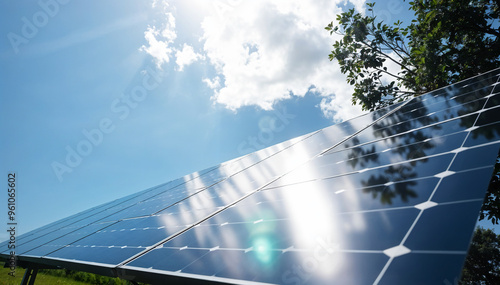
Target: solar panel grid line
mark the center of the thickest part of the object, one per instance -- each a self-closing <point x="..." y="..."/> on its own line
<point x="438" y="101"/>
<point x="379" y="166"/>
<point x="110" y="205"/>
<point x="242" y="170"/>
<point x="173" y="188"/>
<point x="50" y="225"/>
<point x="455" y="151"/>
<point x="62" y="236"/>
<point x="429" y="200"/>
<point x="166" y="207"/>
<point x="60" y="246"/>
<point x="170" y="188"/>
<point x="415" y="129"/>
<point x="489" y="77"/>
<point x="466" y="98"/>
<point x="87" y="212"/>
<point x="338" y="213"/>
<point x="467" y="136"/>
<point x="418" y="100"/>
<point x="28" y="234"/>
<point x="370" y="169"/>
<point x="390" y="183"/>
<point x="242" y="198"/>
<point x="84" y="217"/>
<point x="361" y="130"/>
<point x="197" y="175"/>
<point x="378" y="140"/>
<point x="486" y="83"/>
<point x="220" y="181"/>
<point x="461" y="201"/>
<point x="439" y="252"/>
<point x="386" y="153"/>
<point x="412" y="130"/>
<point x="341" y="190"/>
<point x="447" y="138"/>
<point x="185" y="229"/>
<point x="291" y="141"/>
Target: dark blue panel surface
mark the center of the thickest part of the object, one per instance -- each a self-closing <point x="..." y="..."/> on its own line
<point x="389" y="197"/>
<point x="397" y="189"/>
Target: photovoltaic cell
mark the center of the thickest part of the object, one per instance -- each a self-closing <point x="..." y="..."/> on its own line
<point x="390" y="197"/>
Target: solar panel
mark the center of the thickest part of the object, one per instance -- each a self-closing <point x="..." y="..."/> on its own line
<point x="389" y="197"/>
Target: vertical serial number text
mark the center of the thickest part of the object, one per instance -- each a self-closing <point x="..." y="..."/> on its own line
<point x="12" y="223"/>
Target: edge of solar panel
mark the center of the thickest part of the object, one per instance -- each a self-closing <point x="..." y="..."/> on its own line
<point x="126" y="271"/>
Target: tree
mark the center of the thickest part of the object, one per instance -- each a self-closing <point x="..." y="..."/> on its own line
<point x="453" y="40"/>
<point x="362" y="53"/>
<point x="491" y="204"/>
<point x="482" y="265"/>
<point x="449" y="40"/>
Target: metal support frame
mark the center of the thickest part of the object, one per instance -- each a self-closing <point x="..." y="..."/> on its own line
<point x="29" y="276"/>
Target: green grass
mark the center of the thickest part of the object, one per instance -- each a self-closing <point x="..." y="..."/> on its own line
<point x="58" y="277"/>
<point x="41" y="279"/>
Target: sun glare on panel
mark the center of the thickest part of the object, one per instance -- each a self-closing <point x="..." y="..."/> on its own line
<point x="310" y="211"/>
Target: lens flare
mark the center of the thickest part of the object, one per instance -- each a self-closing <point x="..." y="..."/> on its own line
<point x="262" y="247"/>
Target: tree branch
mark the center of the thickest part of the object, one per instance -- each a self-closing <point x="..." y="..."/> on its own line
<point x="390" y="74"/>
<point x="388" y="57"/>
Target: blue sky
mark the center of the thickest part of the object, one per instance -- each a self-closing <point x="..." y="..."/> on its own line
<point x="103" y="99"/>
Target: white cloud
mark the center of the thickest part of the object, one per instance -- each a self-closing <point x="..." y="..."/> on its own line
<point x="160" y="39"/>
<point x="212" y="83"/>
<point x="161" y="3"/>
<point x="186" y="56"/>
<point x="168" y="31"/>
<point x="338" y="109"/>
<point x="359" y="5"/>
<point x="265" y="51"/>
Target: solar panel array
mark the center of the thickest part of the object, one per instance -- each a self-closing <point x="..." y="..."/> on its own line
<point x="390" y="197"/>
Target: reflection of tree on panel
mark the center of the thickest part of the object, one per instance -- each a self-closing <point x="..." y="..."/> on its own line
<point x="411" y="146"/>
<point x="423" y="115"/>
<point x="390" y="192"/>
<point x="359" y="156"/>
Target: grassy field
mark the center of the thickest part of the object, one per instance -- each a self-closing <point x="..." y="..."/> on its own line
<point x="58" y="277"/>
<point x="41" y="279"/>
